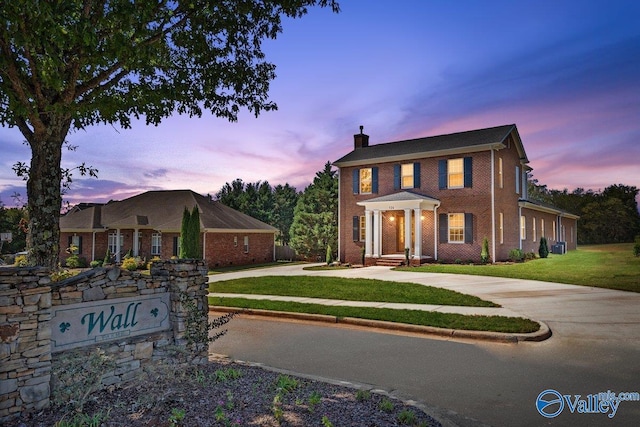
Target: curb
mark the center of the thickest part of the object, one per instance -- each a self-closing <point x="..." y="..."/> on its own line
<point x="506" y="337"/>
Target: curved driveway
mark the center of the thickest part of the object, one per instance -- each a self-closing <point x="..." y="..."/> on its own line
<point x="595" y="347"/>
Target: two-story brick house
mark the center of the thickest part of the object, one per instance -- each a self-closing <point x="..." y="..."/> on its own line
<point x="440" y="196"/>
<point x="148" y="225"/>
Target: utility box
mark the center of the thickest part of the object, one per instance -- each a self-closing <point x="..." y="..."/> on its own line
<point x="559" y="248"/>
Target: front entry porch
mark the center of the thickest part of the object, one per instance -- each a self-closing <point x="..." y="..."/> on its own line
<point x="398" y="225"/>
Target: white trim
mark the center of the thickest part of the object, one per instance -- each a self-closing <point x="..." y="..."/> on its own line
<point x="339" y="222"/>
<point x="493" y="206"/>
<point x="417" y="251"/>
<point x="435" y="231"/>
<point x="421" y="155"/>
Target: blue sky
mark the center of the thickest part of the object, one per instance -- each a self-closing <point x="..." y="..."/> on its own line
<point x="567" y="73"/>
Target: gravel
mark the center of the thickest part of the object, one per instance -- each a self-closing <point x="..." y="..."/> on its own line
<point x="225" y="393"/>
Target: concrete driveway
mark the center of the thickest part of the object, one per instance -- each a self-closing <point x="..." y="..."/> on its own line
<point x="595" y="348"/>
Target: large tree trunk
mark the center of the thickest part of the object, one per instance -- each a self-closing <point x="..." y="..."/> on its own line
<point x="43" y="193"/>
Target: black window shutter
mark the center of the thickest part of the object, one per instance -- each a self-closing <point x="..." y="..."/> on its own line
<point x="396" y="177"/>
<point x="416" y="175"/>
<point x="70" y="241"/>
<point x="468" y="172"/>
<point x="356" y="181"/>
<point x="442" y="174"/>
<point x="79" y="244"/>
<point x="468" y="228"/>
<point x="443" y="227"/>
<point x="356" y="228"/>
<point x="175" y="245"/>
<point x="374" y="179"/>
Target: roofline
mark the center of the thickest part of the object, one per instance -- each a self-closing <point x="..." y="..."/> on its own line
<point x="423" y="154"/>
<point x="169" y="230"/>
<point x="529" y="205"/>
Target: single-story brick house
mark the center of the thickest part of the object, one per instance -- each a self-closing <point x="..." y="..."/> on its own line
<point x="440" y="196"/>
<point x="149" y="225"/>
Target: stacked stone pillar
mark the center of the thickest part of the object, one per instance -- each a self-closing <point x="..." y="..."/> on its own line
<point x="25" y="334"/>
<point x="27" y="303"/>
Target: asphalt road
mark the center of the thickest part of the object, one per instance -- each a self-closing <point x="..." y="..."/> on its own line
<point x="595" y="348"/>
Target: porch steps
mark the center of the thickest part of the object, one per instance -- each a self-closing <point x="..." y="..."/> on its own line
<point x="390" y="262"/>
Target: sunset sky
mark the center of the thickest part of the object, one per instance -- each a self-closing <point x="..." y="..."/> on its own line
<point x="567" y="73"/>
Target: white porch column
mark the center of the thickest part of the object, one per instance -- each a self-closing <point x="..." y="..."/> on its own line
<point x="377" y="228"/>
<point x="407" y="229"/>
<point x="417" y="252"/>
<point x="136" y="242"/>
<point x="118" y="249"/>
<point x="368" y="243"/>
<point x="435" y="232"/>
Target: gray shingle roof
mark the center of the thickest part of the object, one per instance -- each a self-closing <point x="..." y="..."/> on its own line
<point x="432" y="145"/>
<point x="162" y="211"/>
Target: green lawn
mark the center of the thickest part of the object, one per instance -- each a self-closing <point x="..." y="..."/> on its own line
<point x="347" y="289"/>
<point x="414" y="317"/>
<point x="610" y="266"/>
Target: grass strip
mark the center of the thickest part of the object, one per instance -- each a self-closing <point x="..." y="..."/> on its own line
<point x="347" y="289"/>
<point x="610" y="266"/>
<point x="413" y="317"/>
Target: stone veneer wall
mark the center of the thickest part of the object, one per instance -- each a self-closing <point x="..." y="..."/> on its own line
<point x="27" y="297"/>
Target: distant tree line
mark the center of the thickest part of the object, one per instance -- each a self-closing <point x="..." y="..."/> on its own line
<point x="607" y="216"/>
<point x="307" y="221"/>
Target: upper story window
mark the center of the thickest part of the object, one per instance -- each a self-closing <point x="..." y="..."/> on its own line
<point x="455" y="176"/>
<point x="365" y="180"/>
<point x="518" y="179"/>
<point x="455" y="173"/>
<point x="500" y="174"/>
<point x="406" y="175"/>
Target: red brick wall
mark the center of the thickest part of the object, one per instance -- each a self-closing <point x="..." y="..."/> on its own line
<point x="475" y="200"/>
<point x="220" y="249"/>
<point x="506" y="201"/>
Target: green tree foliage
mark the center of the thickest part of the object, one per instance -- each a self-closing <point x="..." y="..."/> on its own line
<point x="272" y="205"/>
<point x="190" y="234"/>
<point x="13" y="220"/>
<point x="315" y="219"/>
<point x="607" y="216"/>
<point x="543" y="249"/>
<point x="285" y="198"/>
<point x="74" y="63"/>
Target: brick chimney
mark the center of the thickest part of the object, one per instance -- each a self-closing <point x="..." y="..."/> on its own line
<point x="360" y="140"/>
